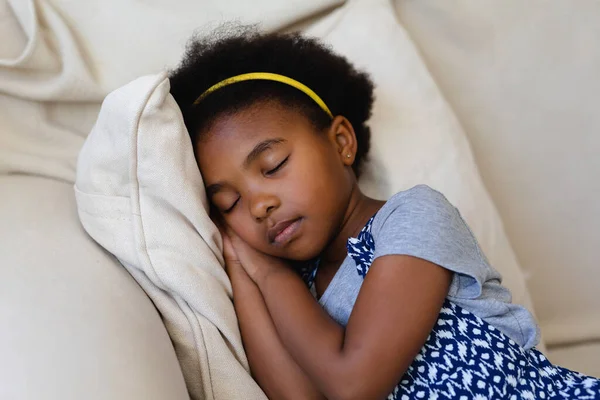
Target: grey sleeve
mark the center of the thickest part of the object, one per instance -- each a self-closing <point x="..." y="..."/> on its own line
<point x="420" y="222"/>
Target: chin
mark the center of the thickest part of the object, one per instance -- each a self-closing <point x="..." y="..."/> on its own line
<point x="302" y="251"/>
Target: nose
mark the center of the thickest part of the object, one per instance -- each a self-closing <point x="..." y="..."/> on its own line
<point x="262" y="205"/>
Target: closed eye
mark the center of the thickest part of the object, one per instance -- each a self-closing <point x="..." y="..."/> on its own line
<point x="278" y="167"/>
<point x="230" y="209"/>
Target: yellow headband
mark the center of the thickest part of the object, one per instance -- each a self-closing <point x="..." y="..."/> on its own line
<point x="269" y="77"/>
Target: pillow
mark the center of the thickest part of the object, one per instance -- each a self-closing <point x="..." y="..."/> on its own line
<point x="416" y="138"/>
<point x="140" y="195"/>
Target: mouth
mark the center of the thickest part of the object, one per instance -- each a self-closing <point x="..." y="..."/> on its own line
<point x="284" y="231"/>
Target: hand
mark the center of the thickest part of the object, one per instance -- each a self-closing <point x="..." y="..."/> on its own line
<point x="233" y="267"/>
<point x="239" y="255"/>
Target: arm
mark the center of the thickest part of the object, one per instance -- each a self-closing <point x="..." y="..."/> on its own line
<point x="396" y="308"/>
<point x="273" y="368"/>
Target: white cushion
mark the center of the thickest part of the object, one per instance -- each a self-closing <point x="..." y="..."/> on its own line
<point x="140" y="195"/>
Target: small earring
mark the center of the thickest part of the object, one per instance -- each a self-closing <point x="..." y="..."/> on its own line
<point x="348" y="156"/>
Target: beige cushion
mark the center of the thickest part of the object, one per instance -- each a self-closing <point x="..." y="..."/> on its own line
<point x="75" y="325"/>
<point x="140" y="195"/>
<point x="60" y="58"/>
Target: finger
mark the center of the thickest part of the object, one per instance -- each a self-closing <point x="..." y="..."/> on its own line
<point x="228" y="249"/>
<point x="227" y="245"/>
<point x="240" y="247"/>
<point x="230" y="232"/>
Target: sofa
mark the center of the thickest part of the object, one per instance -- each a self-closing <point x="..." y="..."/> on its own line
<point x="520" y="81"/>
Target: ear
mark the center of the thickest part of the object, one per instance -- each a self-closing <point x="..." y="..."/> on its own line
<point x="341" y="134"/>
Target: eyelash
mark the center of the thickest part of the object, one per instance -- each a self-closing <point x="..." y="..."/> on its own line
<point x="278" y="167"/>
<point x="231" y="208"/>
<point x="268" y="173"/>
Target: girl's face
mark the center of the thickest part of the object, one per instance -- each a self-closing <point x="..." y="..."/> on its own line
<point x="280" y="185"/>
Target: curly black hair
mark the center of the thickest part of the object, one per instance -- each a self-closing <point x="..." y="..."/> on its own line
<point x="233" y="49"/>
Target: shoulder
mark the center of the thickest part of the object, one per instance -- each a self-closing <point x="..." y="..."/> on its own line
<point x="419" y="197"/>
<point x="420" y="203"/>
<point x="422" y="223"/>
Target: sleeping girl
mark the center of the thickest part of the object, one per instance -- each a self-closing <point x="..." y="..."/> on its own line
<point x="338" y="295"/>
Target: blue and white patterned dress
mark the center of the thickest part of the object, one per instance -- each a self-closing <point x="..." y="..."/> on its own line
<point x="464" y="357"/>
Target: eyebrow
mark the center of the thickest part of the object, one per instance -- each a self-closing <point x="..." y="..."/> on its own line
<point x="213" y="189"/>
<point x="260" y="148"/>
<point x="253" y="155"/>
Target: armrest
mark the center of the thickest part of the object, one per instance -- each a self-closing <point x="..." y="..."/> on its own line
<point x="75" y="324"/>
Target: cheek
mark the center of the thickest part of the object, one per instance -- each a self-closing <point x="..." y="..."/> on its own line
<point x="325" y="175"/>
<point x="309" y="189"/>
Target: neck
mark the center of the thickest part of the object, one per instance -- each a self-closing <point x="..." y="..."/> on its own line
<point x="360" y="208"/>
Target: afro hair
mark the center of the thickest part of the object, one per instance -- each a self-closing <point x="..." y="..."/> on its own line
<point x="233" y="50"/>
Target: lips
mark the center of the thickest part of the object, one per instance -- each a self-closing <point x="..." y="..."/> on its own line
<point x="283" y="231"/>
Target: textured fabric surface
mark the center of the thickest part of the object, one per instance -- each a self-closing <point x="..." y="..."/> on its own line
<point x="140" y="195"/>
<point x="75" y="325"/>
<point x="467" y="358"/>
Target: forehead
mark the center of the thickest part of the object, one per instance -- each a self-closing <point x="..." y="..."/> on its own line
<point x="230" y="138"/>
